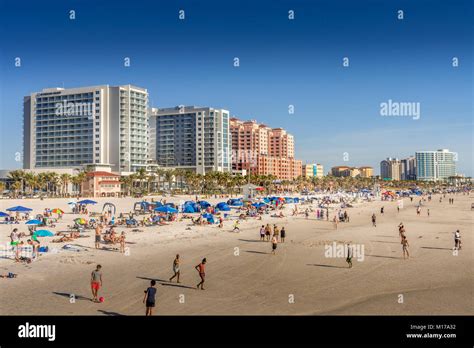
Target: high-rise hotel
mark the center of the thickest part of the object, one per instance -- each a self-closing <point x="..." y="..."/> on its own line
<point x="69" y="128"/>
<point x="435" y="165"/>
<point x="262" y="150"/>
<point x="191" y="138"/>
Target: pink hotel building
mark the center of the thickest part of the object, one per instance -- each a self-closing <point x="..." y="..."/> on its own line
<point x="262" y="150"/>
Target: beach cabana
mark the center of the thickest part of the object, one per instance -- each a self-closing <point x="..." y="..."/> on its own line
<point x="204" y="204"/>
<point x="223" y="206"/>
<point x="20" y="209"/>
<point x="189" y="208"/>
<point x="236" y="203"/>
<point x="209" y="218"/>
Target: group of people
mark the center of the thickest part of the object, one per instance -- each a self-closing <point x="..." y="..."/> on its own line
<point x="275" y="235"/>
<point x="149" y="299"/>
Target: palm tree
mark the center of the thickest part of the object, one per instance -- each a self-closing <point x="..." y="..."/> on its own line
<point x="127" y="182"/>
<point x="18" y="176"/>
<point x="65" y="179"/>
<point x="169" y="175"/>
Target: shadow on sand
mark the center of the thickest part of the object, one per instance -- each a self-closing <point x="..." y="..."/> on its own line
<point x="115" y="314"/>
<point x="167" y="283"/>
<point x="256" y="252"/>
<point x="386" y="257"/>
<point x="77" y="297"/>
<point x="330" y="266"/>
<point x="436" y="248"/>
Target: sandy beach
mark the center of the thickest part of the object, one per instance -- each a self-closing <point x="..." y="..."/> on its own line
<point x="243" y="277"/>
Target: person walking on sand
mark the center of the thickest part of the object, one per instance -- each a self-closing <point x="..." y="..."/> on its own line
<point x="98" y="230"/>
<point x="381" y="211"/>
<point x="149" y="298"/>
<point x="202" y="273"/>
<point x="96" y="282"/>
<point x="334" y="221"/>
<point x="457" y="240"/>
<point x="176" y="268"/>
<point x="405" y="246"/>
<point x="283" y="234"/>
<point x="274" y="244"/>
<point x="262" y="233"/>
<point x="122" y="242"/>
<point x="276" y="231"/>
<point x="268" y="232"/>
<point x="428" y="212"/>
<point x="374" y="220"/>
<point x="350" y="254"/>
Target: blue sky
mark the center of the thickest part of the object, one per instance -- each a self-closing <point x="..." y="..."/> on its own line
<point x="282" y="62"/>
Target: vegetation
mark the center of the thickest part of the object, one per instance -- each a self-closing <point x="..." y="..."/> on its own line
<point x="162" y="180"/>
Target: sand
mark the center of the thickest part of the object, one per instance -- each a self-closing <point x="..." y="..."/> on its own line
<point x="244" y="278"/>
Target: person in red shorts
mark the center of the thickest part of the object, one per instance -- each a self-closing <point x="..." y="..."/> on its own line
<point x="202" y="273"/>
<point x="96" y="282"/>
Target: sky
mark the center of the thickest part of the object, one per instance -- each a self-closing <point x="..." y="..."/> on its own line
<point x="283" y="62"/>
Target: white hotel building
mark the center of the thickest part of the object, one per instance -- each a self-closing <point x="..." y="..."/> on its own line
<point x="435" y="165"/>
<point x="101" y="125"/>
<point x="193" y="138"/>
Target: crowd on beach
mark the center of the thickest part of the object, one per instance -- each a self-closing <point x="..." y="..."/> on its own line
<point x="106" y="224"/>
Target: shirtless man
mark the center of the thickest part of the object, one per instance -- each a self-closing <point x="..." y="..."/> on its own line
<point x="98" y="231"/>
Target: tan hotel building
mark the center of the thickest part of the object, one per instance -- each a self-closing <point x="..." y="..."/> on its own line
<point x="262" y="150"/>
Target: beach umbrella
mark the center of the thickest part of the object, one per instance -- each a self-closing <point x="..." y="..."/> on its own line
<point x="87" y="201"/>
<point x="19" y="208"/>
<point x="33" y="222"/>
<point x="166" y="209"/>
<point x="2" y="214"/>
<point x="80" y="221"/>
<point x="43" y="233"/>
<point x="57" y="211"/>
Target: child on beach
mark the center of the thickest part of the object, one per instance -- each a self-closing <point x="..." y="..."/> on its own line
<point x="149" y="298"/>
<point x="176" y="268"/>
<point x="374" y="220"/>
<point x="236" y="226"/>
<point x="283" y="234"/>
<point x="262" y="233"/>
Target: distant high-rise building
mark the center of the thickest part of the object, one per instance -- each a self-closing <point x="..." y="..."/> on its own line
<point x="390" y="169"/>
<point x="69" y="128"/>
<point x="259" y="149"/>
<point x="408" y="168"/>
<point x="191" y="138"/>
<point x="435" y="165"/>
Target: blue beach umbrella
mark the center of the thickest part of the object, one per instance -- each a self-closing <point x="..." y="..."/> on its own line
<point x="20" y="209"/>
<point x="2" y="214"/>
<point x="33" y="222"/>
<point x="43" y="233"/>
<point x="166" y="209"/>
<point x="87" y="201"/>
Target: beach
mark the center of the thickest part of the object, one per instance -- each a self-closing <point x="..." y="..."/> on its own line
<point x="243" y="277"/>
